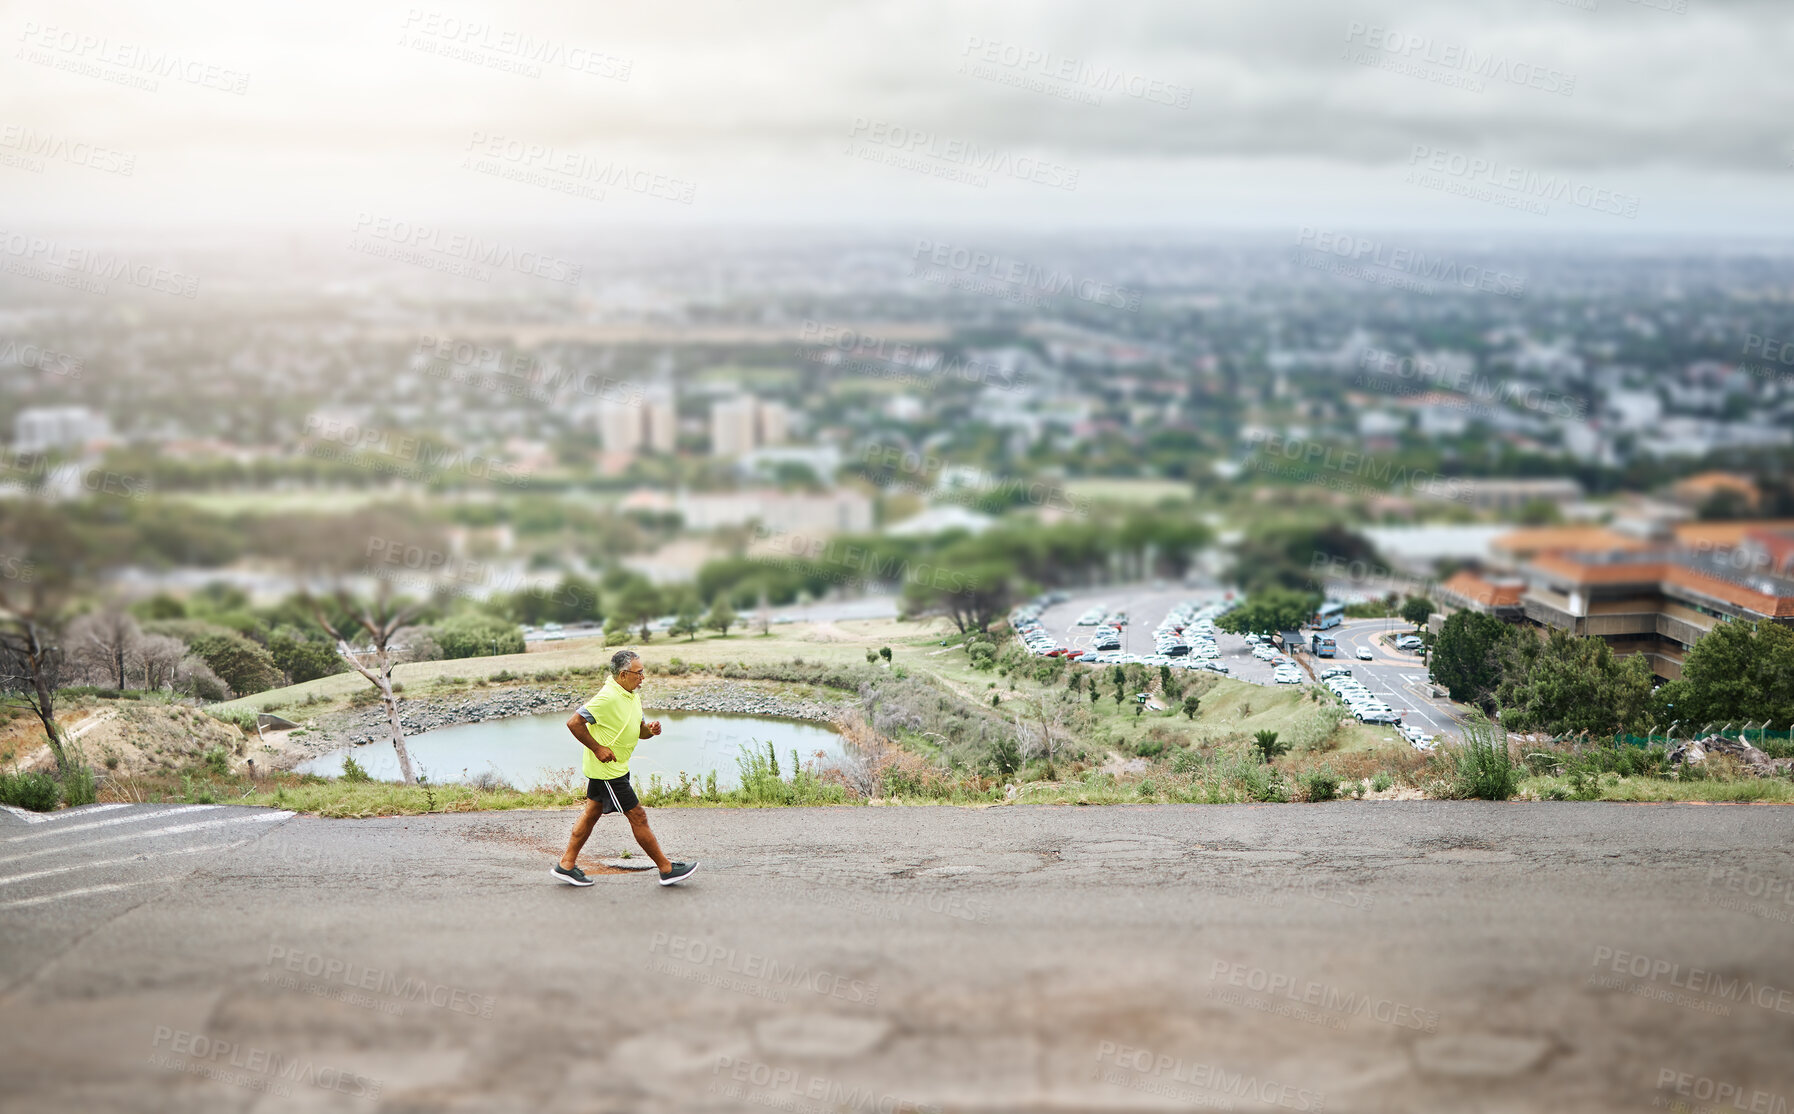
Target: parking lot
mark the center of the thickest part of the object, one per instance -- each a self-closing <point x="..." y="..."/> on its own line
<point x="1398" y="678"/>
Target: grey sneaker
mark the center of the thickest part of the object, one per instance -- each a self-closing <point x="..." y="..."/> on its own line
<point x="679" y="873"/>
<point x="573" y="877"/>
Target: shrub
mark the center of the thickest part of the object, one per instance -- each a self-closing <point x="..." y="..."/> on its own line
<point x="473" y="634"/>
<point x="353" y="772"/>
<point x="490" y="780"/>
<point x="217" y="761"/>
<point x="78" y="786"/>
<point x="1005" y="756"/>
<point x="1381" y="782"/>
<point x="1320" y="785"/>
<point x="1265" y="742"/>
<point x="1260" y="782"/>
<point x="1481" y="767"/>
<point x="240" y="718"/>
<point x="35" y="791"/>
<point x="762" y="784"/>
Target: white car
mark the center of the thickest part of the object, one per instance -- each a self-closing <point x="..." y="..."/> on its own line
<point x="1364" y="653"/>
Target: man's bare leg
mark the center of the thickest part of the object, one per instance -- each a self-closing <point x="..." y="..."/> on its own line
<point x="582" y="831"/>
<point x="638" y="823"/>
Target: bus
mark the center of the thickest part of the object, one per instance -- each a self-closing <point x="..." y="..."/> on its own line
<point x="1323" y="645"/>
<point x="1330" y="615"/>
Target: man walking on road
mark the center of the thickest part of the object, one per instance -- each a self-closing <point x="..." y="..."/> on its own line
<point x="608" y="727"/>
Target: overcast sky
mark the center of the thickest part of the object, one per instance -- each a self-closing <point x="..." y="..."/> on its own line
<point x="1293" y="112"/>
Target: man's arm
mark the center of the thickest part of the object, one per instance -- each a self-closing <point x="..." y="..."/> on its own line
<point x="577" y="725"/>
<point x="650" y="728"/>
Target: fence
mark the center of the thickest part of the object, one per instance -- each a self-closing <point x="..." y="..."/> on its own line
<point x="1754" y="733"/>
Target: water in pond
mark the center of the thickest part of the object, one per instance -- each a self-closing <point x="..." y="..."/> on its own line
<point x="527" y="750"/>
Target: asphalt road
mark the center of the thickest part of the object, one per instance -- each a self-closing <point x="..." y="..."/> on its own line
<point x="1399" y="678"/>
<point x="1355" y="956"/>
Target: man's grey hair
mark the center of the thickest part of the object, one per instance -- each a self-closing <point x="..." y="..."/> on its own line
<point x="620" y="660"/>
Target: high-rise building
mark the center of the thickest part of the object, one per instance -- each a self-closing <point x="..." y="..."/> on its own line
<point x="648" y="422"/>
<point x="775" y="424"/>
<point x="741" y="424"/>
<point x="732" y="426"/>
<point x="661" y="421"/>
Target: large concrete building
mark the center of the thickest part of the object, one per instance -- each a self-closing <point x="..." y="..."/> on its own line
<point x="40" y="428"/>
<point x="1654" y="597"/>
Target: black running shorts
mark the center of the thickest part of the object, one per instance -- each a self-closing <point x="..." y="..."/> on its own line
<point x="615" y="795"/>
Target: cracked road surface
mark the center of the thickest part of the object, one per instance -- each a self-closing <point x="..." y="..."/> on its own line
<point x="1358" y="956"/>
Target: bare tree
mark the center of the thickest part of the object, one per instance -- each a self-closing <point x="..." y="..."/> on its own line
<point x="381" y="622"/>
<point x="1040" y="726"/>
<point x="194" y="676"/>
<point x="31" y="663"/>
<point x="157" y="659"/>
<point x="105" y="641"/>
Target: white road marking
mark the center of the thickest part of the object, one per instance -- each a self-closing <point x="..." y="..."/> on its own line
<point x="39" y="817"/>
<point x="120" y="862"/>
<point x="178" y="829"/>
<point x="84" y="892"/>
<point x="132" y="819"/>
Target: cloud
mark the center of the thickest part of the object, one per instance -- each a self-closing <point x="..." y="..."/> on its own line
<point x="351" y="101"/>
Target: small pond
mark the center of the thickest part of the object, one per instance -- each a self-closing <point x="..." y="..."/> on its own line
<point x="527" y="750"/>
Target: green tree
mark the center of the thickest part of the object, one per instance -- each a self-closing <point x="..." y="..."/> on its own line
<point x="1416" y="610"/>
<point x="302" y="657"/>
<point x="722" y="616"/>
<point x="1269" y="610"/>
<point x="1565" y="685"/>
<point x="1296" y="557"/>
<point x="1467" y="657"/>
<point x="633" y="600"/>
<point x="688" y="616"/>
<point x="245" y="665"/>
<point x="1192" y="705"/>
<point x="474" y="634"/>
<point x="967" y="583"/>
<point x="159" y="606"/>
<point x="1735" y="672"/>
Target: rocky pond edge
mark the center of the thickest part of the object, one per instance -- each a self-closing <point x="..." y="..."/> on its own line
<point x="364" y="725"/>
